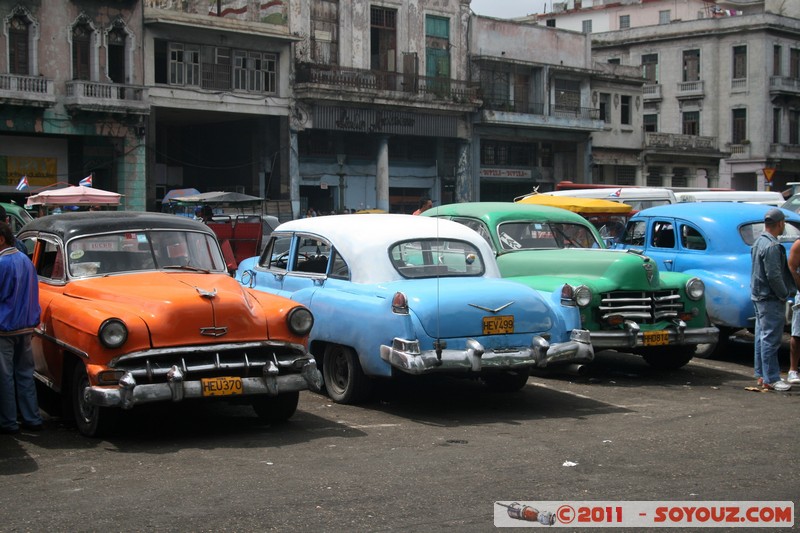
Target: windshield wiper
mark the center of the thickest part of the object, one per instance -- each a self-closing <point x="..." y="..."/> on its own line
<point x="186" y="267"/>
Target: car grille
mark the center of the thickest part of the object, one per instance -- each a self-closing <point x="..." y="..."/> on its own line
<point x="197" y="362"/>
<point x="645" y="307"/>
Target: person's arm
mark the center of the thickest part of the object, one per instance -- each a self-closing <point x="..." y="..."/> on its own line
<point x="794" y="262"/>
<point x="773" y="265"/>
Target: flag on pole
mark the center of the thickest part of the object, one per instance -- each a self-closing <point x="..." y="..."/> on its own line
<point x="23" y="183"/>
<point x="86" y="182"/>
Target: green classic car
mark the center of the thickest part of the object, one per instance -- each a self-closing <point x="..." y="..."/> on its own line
<point x="624" y="301"/>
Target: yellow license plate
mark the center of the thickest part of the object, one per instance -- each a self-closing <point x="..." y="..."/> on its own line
<point x="225" y="386"/>
<point x="497" y="325"/>
<point x="656" y="338"/>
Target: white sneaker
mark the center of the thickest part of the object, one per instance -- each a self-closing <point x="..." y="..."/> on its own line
<point x="793" y="377"/>
<point x="780" y="386"/>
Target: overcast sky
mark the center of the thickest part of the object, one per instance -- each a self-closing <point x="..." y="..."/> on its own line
<point x="509" y="8"/>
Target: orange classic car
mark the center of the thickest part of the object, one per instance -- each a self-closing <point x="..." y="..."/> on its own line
<point x="138" y="308"/>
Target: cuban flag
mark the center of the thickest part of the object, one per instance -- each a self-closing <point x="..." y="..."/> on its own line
<point x="616" y="194"/>
<point x="23" y="183"/>
<point x="86" y="182"/>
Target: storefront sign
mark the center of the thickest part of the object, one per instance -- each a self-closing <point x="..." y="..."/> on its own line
<point x="41" y="171"/>
<point x="505" y="173"/>
<point x="384" y="121"/>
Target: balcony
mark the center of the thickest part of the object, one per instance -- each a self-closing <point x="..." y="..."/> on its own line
<point x="98" y="97"/>
<point x="691" y="89"/>
<point x="740" y="150"/>
<point x="674" y="142"/>
<point x="391" y="85"/>
<point x="31" y="91"/>
<point x="783" y="86"/>
<point x="651" y="92"/>
<point x="537" y="114"/>
<point x="784" y="150"/>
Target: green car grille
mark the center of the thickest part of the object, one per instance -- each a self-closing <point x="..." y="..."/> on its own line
<point x="646" y="307"/>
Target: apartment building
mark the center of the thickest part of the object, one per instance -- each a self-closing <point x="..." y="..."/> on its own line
<point x="721" y="102"/>
<point x="72" y="97"/>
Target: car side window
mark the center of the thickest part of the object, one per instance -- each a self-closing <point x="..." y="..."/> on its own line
<point x="49" y="260"/>
<point x="339" y="268"/>
<point x="691" y="239"/>
<point x="634" y="233"/>
<point x="312" y="255"/>
<point x="663" y="235"/>
<point x="475" y="225"/>
<point x="276" y="254"/>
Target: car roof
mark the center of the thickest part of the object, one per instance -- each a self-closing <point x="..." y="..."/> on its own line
<point x="640" y="193"/>
<point x="69" y="225"/>
<point x="718" y="219"/>
<point x="740" y="211"/>
<point x="363" y="240"/>
<point x="494" y="213"/>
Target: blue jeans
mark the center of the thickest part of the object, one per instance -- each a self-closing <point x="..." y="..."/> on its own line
<point x="770" y="319"/>
<point x="17" y="388"/>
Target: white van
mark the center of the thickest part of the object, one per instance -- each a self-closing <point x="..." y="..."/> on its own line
<point x="637" y="197"/>
<point x="751" y="197"/>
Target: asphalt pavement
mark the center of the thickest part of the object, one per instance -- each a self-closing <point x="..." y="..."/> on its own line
<point x="424" y="454"/>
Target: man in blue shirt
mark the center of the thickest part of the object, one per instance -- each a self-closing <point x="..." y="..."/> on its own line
<point x="771" y="284"/>
<point x="19" y="314"/>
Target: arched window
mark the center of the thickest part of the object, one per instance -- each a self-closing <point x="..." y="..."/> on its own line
<point x="117" y="39"/>
<point x="18" y="45"/>
<point x="81" y="51"/>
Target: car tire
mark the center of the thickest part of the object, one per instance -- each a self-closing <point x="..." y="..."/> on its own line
<point x="345" y="381"/>
<point x="276" y="409"/>
<point x="511" y="381"/>
<point x="668" y="358"/>
<point x="92" y="421"/>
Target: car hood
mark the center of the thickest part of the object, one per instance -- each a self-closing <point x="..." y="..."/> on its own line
<point x="604" y="269"/>
<point x="455" y="307"/>
<point x="180" y="308"/>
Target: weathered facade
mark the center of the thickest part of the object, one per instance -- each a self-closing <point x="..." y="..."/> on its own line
<point x="536" y="120"/>
<point x="382" y="104"/>
<point x="72" y="96"/>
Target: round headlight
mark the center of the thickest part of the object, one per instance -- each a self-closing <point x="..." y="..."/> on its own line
<point x="583" y="296"/>
<point x="300" y="320"/>
<point x="113" y="333"/>
<point x="695" y="288"/>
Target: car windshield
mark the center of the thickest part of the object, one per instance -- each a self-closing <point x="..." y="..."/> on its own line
<point x="108" y="253"/>
<point x="750" y="232"/>
<point x="550" y="235"/>
<point x="430" y="258"/>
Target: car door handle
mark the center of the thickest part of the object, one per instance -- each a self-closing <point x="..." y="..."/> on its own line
<point x="667" y="261"/>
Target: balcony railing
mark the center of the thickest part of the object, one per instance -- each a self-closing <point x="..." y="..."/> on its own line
<point x="29" y="90"/>
<point x="566" y="111"/>
<point x="513" y="106"/>
<point x="781" y="149"/>
<point x="652" y="92"/>
<point x="109" y="97"/>
<point x="784" y="83"/>
<point x="740" y="151"/>
<point x="690" y="88"/>
<point x="376" y="81"/>
<point x="738" y="84"/>
<point x="680" y="141"/>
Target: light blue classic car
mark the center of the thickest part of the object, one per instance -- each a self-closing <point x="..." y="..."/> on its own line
<point x="400" y="293"/>
<point x="709" y="240"/>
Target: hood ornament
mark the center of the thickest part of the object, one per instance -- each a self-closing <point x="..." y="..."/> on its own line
<point x="214" y="331"/>
<point x="206" y="294"/>
<point x="649" y="271"/>
<point x="489" y="310"/>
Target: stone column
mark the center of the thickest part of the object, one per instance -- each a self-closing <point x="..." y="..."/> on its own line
<point x="464" y="185"/>
<point x="294" y="174"/>
<point x="712" y="178"/>
<point x="666" y="180"/>
<point x="382" y="174"/>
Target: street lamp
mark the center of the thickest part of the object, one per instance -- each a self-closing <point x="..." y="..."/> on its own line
<point x="341" y="159"/>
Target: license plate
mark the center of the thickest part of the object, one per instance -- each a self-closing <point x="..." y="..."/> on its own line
<point x="497" y="325"/>
<point x="656" y="338"/>
<point x="225" y="386"/>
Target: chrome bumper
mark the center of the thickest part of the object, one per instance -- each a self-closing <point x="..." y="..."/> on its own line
<point x="404" y="355"/>
<point x="632" y="337"/>
<point x="128" y="393"/>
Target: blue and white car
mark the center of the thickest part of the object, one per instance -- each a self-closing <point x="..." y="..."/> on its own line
<point x="417" y="295"/>
<point x="712" y="241"/>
